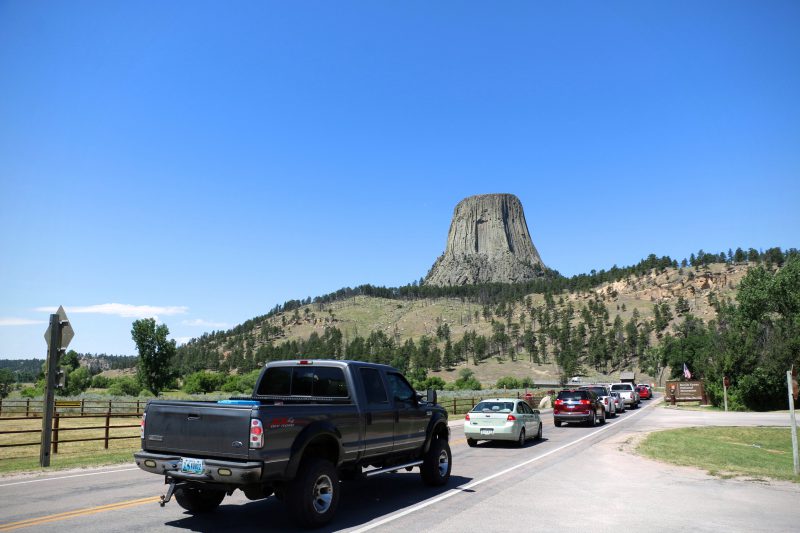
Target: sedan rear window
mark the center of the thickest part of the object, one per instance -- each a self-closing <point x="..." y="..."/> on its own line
<point x="493" y="407"/>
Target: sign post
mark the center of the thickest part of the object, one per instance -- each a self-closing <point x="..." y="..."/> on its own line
<point x="58" y="335"/>
<point x="794" y="423"/>
<point x="725" y="384"/>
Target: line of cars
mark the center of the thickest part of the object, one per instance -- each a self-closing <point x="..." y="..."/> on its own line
<point x="513" y="420"/>
<point x="592" y="404"/>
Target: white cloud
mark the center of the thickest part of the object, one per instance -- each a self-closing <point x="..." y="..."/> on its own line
<point x="205" y="323"/>
<point x="11" y="321"/>
<point x="123" y="310"/>
<point x="182" y="340"/>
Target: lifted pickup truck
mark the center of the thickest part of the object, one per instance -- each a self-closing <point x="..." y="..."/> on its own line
<point x="307" y="424"/>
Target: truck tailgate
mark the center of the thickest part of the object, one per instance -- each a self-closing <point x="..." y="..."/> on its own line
<point x="198" y="428"/>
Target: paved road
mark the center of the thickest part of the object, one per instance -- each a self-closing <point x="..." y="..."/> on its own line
<point x="557" y="483"/>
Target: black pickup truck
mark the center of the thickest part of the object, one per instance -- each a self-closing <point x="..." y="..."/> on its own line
<point x="307" y="424"/>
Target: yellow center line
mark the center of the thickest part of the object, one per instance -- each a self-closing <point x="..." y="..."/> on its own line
<point x="78" y="512"/>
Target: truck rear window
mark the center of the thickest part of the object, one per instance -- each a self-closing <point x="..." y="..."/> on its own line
<point x="318" y="381"/>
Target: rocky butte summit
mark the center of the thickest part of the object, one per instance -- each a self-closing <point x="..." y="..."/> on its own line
<point x="488" y="242"/>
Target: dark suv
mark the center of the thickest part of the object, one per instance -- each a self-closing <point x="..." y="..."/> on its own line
<point x="578" y="405"/>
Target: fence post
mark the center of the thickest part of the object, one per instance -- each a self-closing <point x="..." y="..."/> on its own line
<point x="82" y="402"/>
<point x="55" y="432"/>
<point x="108" y="423"/>
<point x="27" y="408"/>
<point x="109" y="406"/>
<point x="454" y="406"/>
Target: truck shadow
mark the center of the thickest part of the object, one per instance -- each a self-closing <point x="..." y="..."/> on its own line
<point x="361" y="502"/>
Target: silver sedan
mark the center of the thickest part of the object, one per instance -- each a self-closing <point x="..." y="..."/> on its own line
<point x="508" y="419"/>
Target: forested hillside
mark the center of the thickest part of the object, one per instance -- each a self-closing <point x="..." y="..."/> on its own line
<point x="549" y="329"/>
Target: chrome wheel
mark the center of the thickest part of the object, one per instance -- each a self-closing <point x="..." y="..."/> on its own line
<point x="323" y="494"/>
<point x="443" y="462"/>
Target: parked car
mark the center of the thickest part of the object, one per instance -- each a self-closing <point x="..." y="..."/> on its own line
<point x="502" y="419"/>
<point x="605" y="396"/>
<point x="628" y="392"/>
<point x="619" y="401"/>
<point x="644" y="392"/>
<point x="578" y="405"/>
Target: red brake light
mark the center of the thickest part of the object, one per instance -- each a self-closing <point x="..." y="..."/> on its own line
<point x="306" y="362"/>
<point x="466" y="417"/>
<point x="141" y="425"/>
<point x="585" y="402"/>
<point x="559" y="402"/>
<point x="256" y="433"/>
<point x="511" y="418"/>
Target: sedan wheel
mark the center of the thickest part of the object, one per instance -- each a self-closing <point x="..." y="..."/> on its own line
<point x="539" y="434"/>
<point x="593" y="420"/>
<point x="521" y="439"/>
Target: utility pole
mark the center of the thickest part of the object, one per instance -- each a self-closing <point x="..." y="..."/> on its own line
<point x="792" y="385"/>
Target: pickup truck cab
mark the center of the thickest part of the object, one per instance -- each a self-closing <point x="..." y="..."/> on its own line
<point x="628" y="393"/>
<point x="307" y="424"/>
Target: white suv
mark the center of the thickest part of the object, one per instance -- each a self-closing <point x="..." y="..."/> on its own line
<point x="628" y="393"/>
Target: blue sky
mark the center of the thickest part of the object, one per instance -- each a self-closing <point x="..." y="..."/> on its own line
<point x="204" y="161"/>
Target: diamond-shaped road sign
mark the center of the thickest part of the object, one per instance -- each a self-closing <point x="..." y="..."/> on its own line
<point x="66" y="331"/>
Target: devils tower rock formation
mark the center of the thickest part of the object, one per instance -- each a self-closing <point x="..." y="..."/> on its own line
<point x="488" y="242"/>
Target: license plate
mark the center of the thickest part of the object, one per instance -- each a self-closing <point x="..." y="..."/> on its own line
<point x="487" y="431"/>
<point x="192" y="466"/>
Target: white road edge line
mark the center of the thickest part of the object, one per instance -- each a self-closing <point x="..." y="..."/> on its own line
<point x="67" y="477"/>
<point x="459" y="490"/>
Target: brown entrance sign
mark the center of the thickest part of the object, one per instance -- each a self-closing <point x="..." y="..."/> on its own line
<point x="686" y="391"/>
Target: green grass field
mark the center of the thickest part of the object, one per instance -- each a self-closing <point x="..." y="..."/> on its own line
<point x="70" y="454"/>
<point x="750" y="452"/>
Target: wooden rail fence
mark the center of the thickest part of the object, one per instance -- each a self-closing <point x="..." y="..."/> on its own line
<point x="106" y="411"/>
<point x="120" y="410"/>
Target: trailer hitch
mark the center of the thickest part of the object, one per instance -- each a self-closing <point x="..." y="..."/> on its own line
<point x="173" y="484"/>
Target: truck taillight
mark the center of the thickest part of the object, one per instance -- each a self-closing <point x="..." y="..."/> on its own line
<point x="256" y="433"/>
<point x="467" y="417"/>
<point x="141" y="426"/>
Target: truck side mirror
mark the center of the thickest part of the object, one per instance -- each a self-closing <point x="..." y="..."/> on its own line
<point x="431" y="398"/>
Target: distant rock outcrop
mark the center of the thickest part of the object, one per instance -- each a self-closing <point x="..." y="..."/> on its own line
<point x="488" y="242"/>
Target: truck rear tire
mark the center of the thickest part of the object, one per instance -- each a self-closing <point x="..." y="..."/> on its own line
<point x="197" y="500"/>
<point x="313" y="496"/>
<point x="437" y="463"/>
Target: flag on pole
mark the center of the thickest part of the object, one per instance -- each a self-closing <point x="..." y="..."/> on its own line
<point x="686" y="373"/>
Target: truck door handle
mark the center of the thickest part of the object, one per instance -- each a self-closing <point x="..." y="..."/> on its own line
<point x="193" y="417"/>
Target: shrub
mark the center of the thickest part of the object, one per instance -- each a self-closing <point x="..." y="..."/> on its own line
<point x="467" y="381"/>
<point x="203" y="381"/>
<point x="100" y="382"/>
<point x="508" y="382"/>
<point x="433" y="382"/>
<point x="124" y="386"/>
<point x="763" y="390"/>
